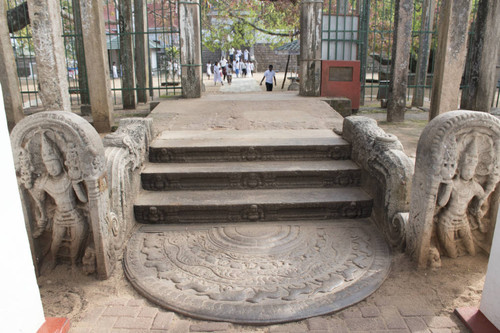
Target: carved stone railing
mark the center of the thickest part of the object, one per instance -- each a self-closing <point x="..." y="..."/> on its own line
<point x="125" y="150"/>
<point x="387" y="173"/>
<point x="455" y="195"/>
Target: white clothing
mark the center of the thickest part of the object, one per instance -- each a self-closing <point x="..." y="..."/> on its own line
<point x="249" y="70"/>
<point x="269" y="76"/>
<point x="245" y="55"/>
<point x="231" y="51"/>
<point x="209" y="69"/>
<point x="115" y="72"/>
<point x="223" y="63"/>
<point x="217" y="76"/>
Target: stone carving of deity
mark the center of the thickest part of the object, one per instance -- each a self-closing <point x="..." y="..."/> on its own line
<point x="455" y="191"/>
<point x="454" y="196"/>
<point x="69" y="227"/>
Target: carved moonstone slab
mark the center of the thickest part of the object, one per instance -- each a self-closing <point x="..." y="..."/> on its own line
<point x="257" y="273"/>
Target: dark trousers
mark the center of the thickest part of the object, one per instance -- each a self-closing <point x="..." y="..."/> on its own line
<point x="269" y="86"/>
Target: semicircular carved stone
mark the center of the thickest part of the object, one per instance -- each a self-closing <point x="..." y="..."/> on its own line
<point x="257" y="273"/>
<point x="454" y="199"/>
<point x="60" y="164"/>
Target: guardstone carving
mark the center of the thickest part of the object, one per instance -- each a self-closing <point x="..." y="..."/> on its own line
<point x="59" y="161"/>
<point x="455" y="194"/>
<point x="126" y="150"/>
<point x="387" y="173"/>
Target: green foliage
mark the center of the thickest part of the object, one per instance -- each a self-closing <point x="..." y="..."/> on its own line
<point x="172" y="53"/>
<point x="235" y="23"/>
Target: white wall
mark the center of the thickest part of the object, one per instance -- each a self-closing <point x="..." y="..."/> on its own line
<point x="490" y="300"/>
<point x="20" y="304"/>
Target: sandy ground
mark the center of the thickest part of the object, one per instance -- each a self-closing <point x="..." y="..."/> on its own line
<point x="414" y="294"/>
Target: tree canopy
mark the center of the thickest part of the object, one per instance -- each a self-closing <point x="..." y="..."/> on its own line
<point x="237" y="23"/>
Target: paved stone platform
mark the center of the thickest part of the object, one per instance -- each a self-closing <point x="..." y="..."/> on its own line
<point x="258" y="273"/>
<point x="408" y="301"/>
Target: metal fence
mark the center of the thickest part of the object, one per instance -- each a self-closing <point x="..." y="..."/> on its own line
<point x="24" y="54"/>
<point x="163" y="61"/>
<point x="163" y="48"/>
<point x="363" y="30"/>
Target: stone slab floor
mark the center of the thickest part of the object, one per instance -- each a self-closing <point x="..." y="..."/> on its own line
<point x="409" y="300"/>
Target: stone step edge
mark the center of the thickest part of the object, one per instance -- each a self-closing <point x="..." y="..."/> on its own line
<point x="246" y="142"/>
<point x="154" y="179"/>
<point x="249" y="166"/>
<point x="151" y="228"/>
<point x="245" y="197"/>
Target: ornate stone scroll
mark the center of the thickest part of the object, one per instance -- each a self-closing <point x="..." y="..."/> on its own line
<point x="455" y="193"/>
<point x="387" y="173"/>
<point x="60" y="165"/>
<point x="125" y="150"/>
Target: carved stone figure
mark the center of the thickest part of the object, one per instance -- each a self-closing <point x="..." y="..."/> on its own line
<point x="456" y="194"/>
<point x="59" y="161"/>
<point x="456" y="175"/>
<point x="68" y="225"/>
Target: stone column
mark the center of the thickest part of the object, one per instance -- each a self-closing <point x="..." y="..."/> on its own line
<point x="45" y="16"/>
<point x="141" y="50"/>
<point x="363" y="49"/>
<point x="450" y="57"/>
<point x="425" y="39"/>
<point x="189" y="26"/>
<point x="80" y="57"/>
<point x="126" y="53"/>
<point x="8" y="74"/>
<point x="310" y="47"/>
<point x="481" y="78"/>
<point x="396" y="103"/>
<point x="96" y="59"/>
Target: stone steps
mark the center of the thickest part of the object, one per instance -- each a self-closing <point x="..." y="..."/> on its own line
<point x="250" y="175"/>
<point x="221" y="146"/>
<point x="252" y="205"/>
<point x="236" y="176"/>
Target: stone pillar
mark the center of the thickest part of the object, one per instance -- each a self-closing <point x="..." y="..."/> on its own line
<point x="310" y="47"/>
<point x="481" y="78"/>
<point x="363" y="49"/>
<point x="490" y="301"/>
<point x="189" y="26"/>
<point x="425" y="38"/>
<point x="126" y="53"/>
<point x="450" y="57"/>
<point x="396" y="103"/>
<point x="141" y="51"/>
<point x="96" y="59"/>
<point x="80" y="57"/>
<point x="45" y="16"/>
<point x="8" y="74"/>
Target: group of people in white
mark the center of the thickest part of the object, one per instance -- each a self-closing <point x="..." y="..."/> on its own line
<point x="238" y="64"/>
